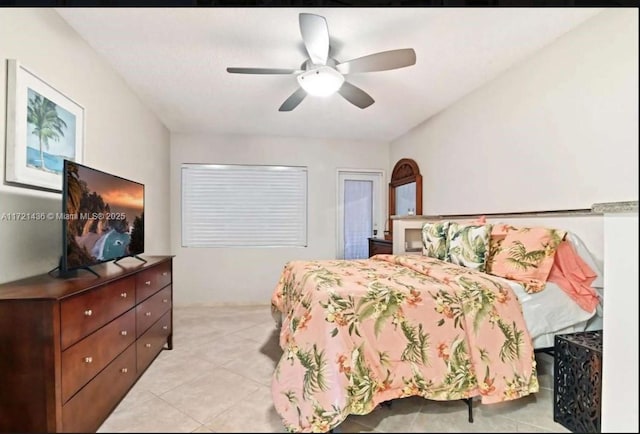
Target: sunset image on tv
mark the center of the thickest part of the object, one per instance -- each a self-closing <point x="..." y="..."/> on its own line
<point x="104" y="216"/>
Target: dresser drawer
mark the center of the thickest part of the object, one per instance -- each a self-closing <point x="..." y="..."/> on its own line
<point x="148" y="282"/>
<point x="151" y="309"/>
<point x="83" y="360"/>
<point x="88" y="409"/>
<point x="152" y="342"/>
<point x="87" y="312"/>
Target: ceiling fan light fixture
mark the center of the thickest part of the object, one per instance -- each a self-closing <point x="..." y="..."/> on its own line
<point x="322" y="81"/>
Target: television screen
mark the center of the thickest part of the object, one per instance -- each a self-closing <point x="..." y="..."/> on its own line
<point x="103" y="216"/>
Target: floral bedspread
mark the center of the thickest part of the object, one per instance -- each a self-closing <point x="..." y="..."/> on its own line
<point x="356" y="333"/>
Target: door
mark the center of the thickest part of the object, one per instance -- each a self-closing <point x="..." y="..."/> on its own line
<point x="360" y="212"/>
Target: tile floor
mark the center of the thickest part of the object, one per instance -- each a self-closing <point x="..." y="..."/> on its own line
<point x="217" y="379"/>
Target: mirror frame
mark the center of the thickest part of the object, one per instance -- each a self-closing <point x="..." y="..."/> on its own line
<point x="404" y="172"/>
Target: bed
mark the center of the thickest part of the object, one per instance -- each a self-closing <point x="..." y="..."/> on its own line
<point x="357" y="333"/>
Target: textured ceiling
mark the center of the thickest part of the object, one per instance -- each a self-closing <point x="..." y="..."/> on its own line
<point x="175" y="60"/>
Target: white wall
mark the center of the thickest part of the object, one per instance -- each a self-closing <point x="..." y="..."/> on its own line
<point x="620" y="337"/>
<point x="557" y="131"/>
<point x="122" y="137"/>
<point x="249" y="275"/>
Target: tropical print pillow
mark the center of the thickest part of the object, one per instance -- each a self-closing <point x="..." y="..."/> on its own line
<point x="499" y="232"/>
<point x="434" y="240"/>
<point x="526" y="255"/>
<point x="469" y="245"/>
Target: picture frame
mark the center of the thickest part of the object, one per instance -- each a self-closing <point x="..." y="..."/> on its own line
<point x="44" y="127"/>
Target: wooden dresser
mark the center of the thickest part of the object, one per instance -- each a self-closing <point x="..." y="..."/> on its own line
<point x="70" y="349"/>
<point x="380" y="246"/>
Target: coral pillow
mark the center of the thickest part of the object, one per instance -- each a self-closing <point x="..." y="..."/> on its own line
<point x="434" y="240"/>
<point x="574" y="276"/>
<point x="526" y="255"/>
<point x="498" y="234"/>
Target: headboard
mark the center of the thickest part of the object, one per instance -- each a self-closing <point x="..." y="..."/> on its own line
<point x="586" y="223"/>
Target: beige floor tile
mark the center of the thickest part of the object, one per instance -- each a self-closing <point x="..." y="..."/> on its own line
<point x="258" y="363"/>
<point x="172" y="370"/>
<point x="453" y="416"/>
<point x="137" y="395"/>
<point x="202" y="428"/>
<point x="349" y="426"/>
<point x="211" y="393"/>
<point x="151" y="416"/>
<point x="525" y="427"/>
<point x="223" y="349"/>
<point x="255" y="413"/>
<point x="261" y="332"/>
<point x="535" y="409"/>
<point x="253" y="365"/>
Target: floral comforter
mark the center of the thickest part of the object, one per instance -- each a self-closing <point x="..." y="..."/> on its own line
<point x="356" y="333"/>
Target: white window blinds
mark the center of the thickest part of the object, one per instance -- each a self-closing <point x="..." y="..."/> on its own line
<point x="243" y="206"/>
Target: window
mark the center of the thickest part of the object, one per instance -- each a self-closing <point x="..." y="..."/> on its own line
<point x="244" y="206"/>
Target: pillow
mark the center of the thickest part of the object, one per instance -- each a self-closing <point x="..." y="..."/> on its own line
<point x="588" y="258"/>
<point x="434" y="240"/>
<point x="526" y="255"/>
<point x="469" y="245"/>
<point x="574" y="276"/>
<point x="498" y="234"/>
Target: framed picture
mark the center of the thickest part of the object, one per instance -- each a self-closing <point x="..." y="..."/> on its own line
<point x="44" y="127"/>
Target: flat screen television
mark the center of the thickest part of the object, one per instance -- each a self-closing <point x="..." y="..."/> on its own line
<point x="103" y="217"/>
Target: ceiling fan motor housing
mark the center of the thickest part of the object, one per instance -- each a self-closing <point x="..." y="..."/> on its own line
<point x="321" y="81"/>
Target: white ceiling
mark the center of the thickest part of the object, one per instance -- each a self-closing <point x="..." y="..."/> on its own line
<point x="176" y="59"/>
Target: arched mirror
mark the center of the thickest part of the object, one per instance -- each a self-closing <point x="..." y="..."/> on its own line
<point x="405" y="190"/>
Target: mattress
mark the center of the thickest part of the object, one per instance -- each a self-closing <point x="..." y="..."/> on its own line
<point x="550" y="312"/>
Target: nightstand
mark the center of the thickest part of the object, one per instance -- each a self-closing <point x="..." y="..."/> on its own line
<point x="380" y="246"/>
<point x="577" y="381"/>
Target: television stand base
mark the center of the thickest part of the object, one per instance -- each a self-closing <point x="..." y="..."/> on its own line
<point x="70" y="273"/>
<point x="89" y="270"/>
<point x="132" y="256"/>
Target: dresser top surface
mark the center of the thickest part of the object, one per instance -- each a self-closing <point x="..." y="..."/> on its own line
<point x="381" y="240"/>
<point x="48" y="286"/>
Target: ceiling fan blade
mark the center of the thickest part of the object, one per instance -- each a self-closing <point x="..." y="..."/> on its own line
<point x="382" y="61"/>
<point x="263" y="71"/>
<point x="293" y="101"/>
<point x="315" y="35"/>
<point x="355" y="95"/>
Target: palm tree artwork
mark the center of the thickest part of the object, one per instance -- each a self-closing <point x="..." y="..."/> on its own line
<point x="47" y="125"/>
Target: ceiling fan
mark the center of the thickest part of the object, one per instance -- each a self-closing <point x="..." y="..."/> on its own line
<point x="321" y="75"/>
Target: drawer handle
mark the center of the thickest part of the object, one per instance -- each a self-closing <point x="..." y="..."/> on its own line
<point x="88" y="312"/>
<point x="165" y="327"/>
<point x="147" y="314"/>
<point x="148" y="282"/>
<point x="88" y="359"/>
<point x="147" y="345"/>
<point x="124" y="370"/>
<point x="165" y="300"/>
<point x="123" y="332"/>
<point x="123" y="294"/>
<point x="165" y="273"/>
